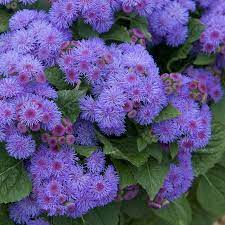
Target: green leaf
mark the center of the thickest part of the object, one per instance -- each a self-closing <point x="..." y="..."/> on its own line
<point x="206" y="158"/>
<point x="200" y="216"/>
<point x="117" y="33"/>
<point x="62" y="220"/>
<point x="14" y="182"/>
<point x="218" y="111"/>
<point x="57" y="78"/>
<point x="195" y="30"/>
<point x="85" y="150"/>
<point x="124" y="148"/>
<point x="83" y="30"/>
<point x="108" y="215"/>
<point x="4" y="217"/>
<point x="151" y="176"/>
<point x="142" y="24"/>
<point x="210" y="197"/>
<point x="141" y="144"/>
<point x="176" y="213"/>
<point x="4" y="20"/>
<point x="125" y="173"/>
<point x="156" y="152"/>
<point x="132" y="207"/>
<point x="169" y="112"/>
<point x="173" y="150"/>
<point x="203" y="60"/>
<point x="146" y="138"/>
<point x="68" y="102"/>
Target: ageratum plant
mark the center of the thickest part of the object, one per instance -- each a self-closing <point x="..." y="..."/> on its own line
<point x="112" y="112"/>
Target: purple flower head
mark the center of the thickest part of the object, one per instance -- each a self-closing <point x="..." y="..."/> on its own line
<point x="51" y="115"/>
<point x="98" y="14"/>
<point x="7" y="113"/>
<point x="63" y="13"/>
<point x="37" y="222"/>
<point x="167" y="131"/>
<point x="87" y="106"/>
<point x="207" y="84"/>
<point x="10" y="87"/>
<point x="23" y="41"/>
<point x="22" y="18"/>
<point x="96" y="162"/>
<point x="21" y="212"/>
<point x="178" y="180"/>
<point x="20" y="146"/>
<point x="84" y="133"/>
<point x="30" y="114"/>
<point x="9" y="62"/>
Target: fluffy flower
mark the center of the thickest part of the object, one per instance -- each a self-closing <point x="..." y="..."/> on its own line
<point x="20" y="146"/>
<point x="96" y="162"/>
<point x="21" y="212"/>
<point x="38" y="222"/>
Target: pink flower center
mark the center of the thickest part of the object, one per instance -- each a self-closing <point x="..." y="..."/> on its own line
<point x="57" y="165"/>
<point x="100" y="186"/>
<point x="30" y="114"/>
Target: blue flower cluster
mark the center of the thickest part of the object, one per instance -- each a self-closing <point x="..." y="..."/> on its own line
<point x="63" y="186"/>
<point x="124" y="79"/>
<point x="25" y="2"/>
<point x="124" y="84"/>
<point x="189" y="94"/>
<point x="214" y="20"/>
<point x="167" y="18"/>
<point x="27" y="100"/>
<point x="177" y="182"/>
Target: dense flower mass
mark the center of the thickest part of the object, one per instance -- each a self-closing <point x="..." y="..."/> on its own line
<point x="214" y="20"/>
<point x="4" y="2"/>
<point x="167" y="19"/>
<point x="188" y="93"/>
<point x="177" y="182"/>
<point x="63" y="186"/>
<point x="124" y="81"/>
<point x="65" y="129"/>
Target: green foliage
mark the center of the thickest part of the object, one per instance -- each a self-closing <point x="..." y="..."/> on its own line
<point x="142" y="24"/>
<point x="145" y="138"/>
<point x="124" y="148"/>
<point x="82" y="30"/>
<point x="117" y="33"/>
<point x="14" y="182"/>
<point x="62" y="220"/>
<point x="4" y="217"/>
<point x="156" y="152"/>
<point x="125" y="173"/>
<point x="218" y="111"/>
<point x="203" y="60"/>
<point x="108" y="215"/>
<point x="206" y="158"/>
<point x="57" y="78"/>
<point x="178" y="60"/>
<point x="151" y="176"/>
<point x="85" y="150"/>
<point x="4" y="20"/>
<point x="200" y="216"/>
<point x="137" y="208"/>
<point x="176" y="213"/>
<point x="211" y="191"/>
<point x="68" y="102"/>
<point x="173" y="150"/>
<point x="209" y="196"/>
<point x="167" y="113"/>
